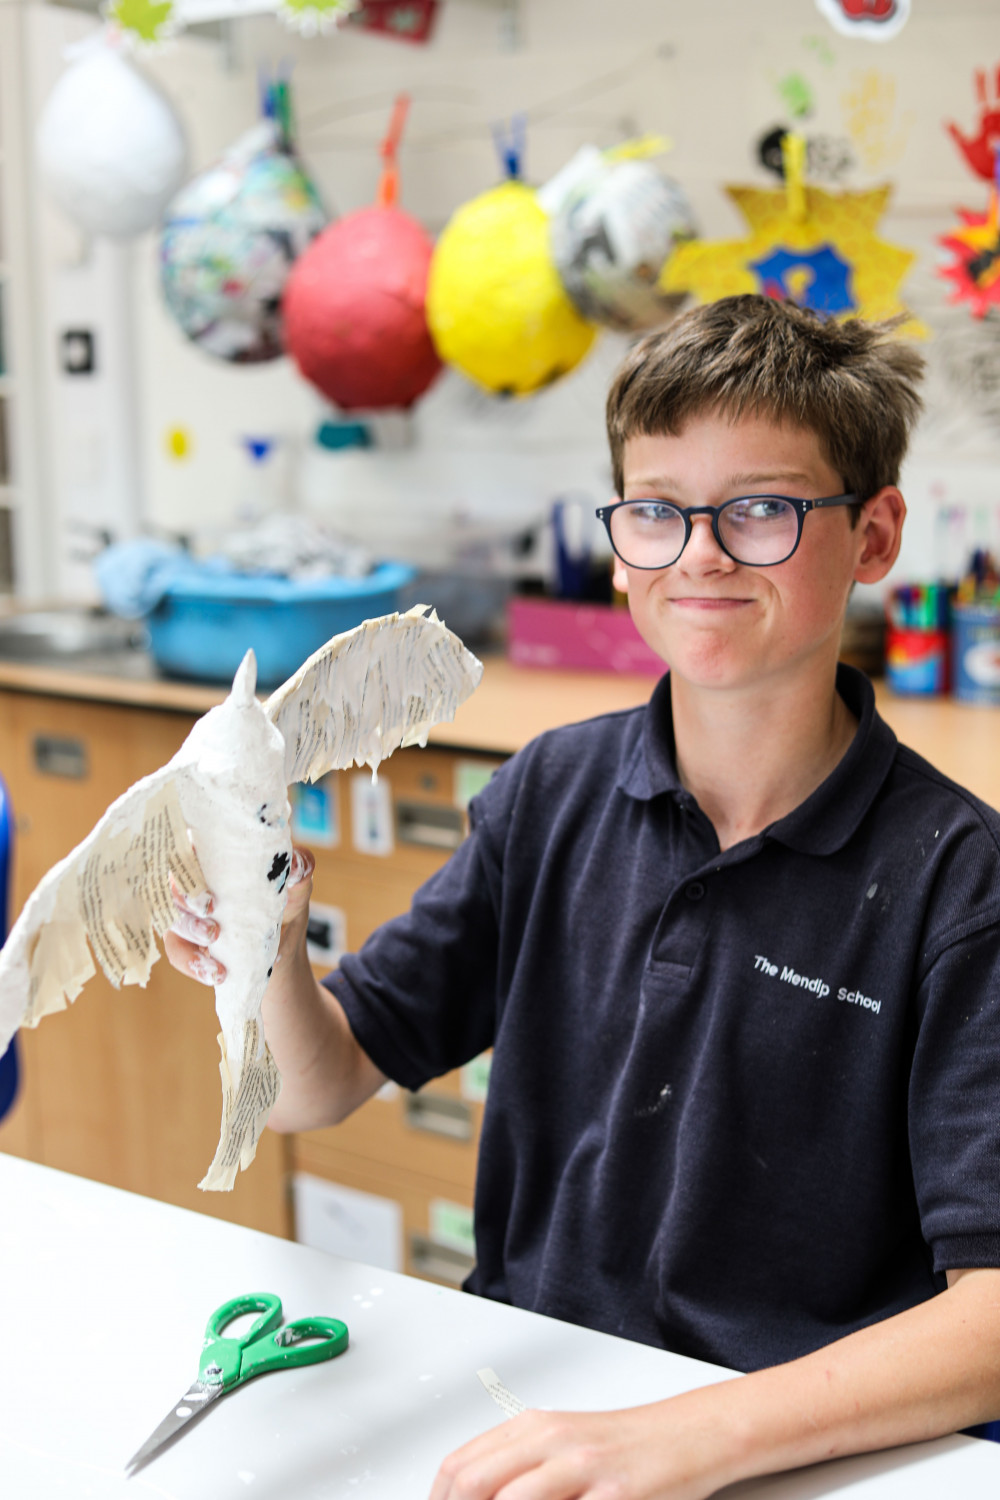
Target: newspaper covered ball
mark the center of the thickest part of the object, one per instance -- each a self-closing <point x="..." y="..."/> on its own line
<point x="496" y="306"/>
<point x="612" y="235"/>
<point x="354" y="311"/>
<point x="229" y="240"/>
<point x="111" y="148"/>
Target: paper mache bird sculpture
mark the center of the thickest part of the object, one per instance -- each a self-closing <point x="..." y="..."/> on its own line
<point x="217" y="818"/>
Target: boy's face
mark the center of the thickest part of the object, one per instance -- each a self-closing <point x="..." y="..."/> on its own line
<point x="719" y="623"/>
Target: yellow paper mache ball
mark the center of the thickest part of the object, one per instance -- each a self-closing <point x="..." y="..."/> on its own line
<point x="496" y="307"/>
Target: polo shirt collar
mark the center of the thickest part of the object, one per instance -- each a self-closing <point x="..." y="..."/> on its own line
<point x="828" y="817"/>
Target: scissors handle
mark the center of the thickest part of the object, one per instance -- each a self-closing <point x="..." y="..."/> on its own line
<point x="304" y="1342"/>
<point x="222" y="1358"/>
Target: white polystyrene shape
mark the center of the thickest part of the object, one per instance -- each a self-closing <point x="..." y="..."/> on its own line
<point x="110" y="146"/>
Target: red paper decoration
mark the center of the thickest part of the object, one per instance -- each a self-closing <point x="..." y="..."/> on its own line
<point x="980" y="149"/>
<point x="408" y="20"/>
<point x="975" y="270"/>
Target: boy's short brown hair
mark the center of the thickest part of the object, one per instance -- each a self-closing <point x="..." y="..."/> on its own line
<point x="851" y="383"/>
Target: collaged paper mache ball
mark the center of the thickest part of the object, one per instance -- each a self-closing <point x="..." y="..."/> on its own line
<point x="612" y="235"/>
<point x="230" y="239"/>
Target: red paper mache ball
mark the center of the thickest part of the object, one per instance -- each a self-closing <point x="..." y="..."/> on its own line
<point x="354" y="315"/>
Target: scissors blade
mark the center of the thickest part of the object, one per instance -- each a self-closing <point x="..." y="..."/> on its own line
<point x="191" y="1404"/>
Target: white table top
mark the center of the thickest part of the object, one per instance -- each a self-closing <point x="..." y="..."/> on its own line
<point x="105" y="1296"/>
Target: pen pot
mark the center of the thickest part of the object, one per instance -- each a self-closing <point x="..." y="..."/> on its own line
<point x="975" y="652"/>
<point x="917" y="640"/>
<point x="916" y="659"/>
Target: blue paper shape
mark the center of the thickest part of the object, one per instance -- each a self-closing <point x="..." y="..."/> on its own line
<point x="828" y="292"/>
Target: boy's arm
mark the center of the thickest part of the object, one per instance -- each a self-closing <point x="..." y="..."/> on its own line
<point x="920" y="1374"/>
<point x="325" y="1073"/>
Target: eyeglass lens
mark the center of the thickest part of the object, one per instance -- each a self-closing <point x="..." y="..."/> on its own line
<point x="760" y="530"/>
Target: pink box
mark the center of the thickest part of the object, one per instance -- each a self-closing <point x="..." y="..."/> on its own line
<point x="590" y="637"/>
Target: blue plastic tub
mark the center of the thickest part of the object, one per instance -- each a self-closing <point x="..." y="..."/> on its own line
<point x="203" y="626"/>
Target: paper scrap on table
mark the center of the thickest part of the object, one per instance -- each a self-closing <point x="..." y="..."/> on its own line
<point x="217" y="818"/>
<point x="505" y="1399"/>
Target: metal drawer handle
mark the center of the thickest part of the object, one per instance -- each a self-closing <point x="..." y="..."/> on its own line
<point x="429" y="825"/>
<point x="58" y="757"/>
<point x="429" y="1258"/>
<point x="438" y="1114"/>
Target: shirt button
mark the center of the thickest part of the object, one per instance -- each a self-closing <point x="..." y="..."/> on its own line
<point x="695" y="891"/>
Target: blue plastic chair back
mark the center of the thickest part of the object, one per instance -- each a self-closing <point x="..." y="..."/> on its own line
<point x="8" y="1061"/>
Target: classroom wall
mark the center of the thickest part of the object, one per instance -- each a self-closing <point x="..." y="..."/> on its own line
<point x="713" y="78"/>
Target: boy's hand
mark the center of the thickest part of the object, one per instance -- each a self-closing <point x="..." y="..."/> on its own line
<point x="640" y="1454"/>
<point x="931" y="1370"/>
<point x="187" y="943"/>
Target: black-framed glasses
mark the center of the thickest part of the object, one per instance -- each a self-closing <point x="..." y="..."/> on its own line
<point x="757" y="530"/>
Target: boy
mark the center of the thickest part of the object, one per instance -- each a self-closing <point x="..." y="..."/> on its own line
<point x="738" y="955"/>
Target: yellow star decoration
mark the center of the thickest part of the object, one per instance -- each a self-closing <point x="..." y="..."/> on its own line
<point x="813" y="247"/>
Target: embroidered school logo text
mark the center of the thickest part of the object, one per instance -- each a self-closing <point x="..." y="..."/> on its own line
<point x="816" y="986"/>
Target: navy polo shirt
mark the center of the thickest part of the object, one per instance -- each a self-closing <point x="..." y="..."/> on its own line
<point x="743" y="1102"/>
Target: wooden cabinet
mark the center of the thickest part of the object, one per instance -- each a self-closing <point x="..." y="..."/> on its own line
<point x="419" y="1149"/>
<point x="124" y="1086"/>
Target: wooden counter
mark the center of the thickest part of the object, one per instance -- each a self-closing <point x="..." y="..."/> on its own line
<point x="513" y="704"/>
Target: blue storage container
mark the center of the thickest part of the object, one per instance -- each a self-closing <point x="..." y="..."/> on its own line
<point x="204" y="625"/>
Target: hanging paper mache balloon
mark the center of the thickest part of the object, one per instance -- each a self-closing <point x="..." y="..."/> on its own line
<point x="354" y="314"/>
<point x="497" y="308"/>
<point x="110" y="146"/>
<point x="616" y="219"/>
<point x="806" y="245"/>
<point x="231" y="236"/>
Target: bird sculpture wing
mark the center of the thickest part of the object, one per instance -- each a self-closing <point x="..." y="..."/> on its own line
<point x="106" y="901"/>
<point x="224" y="795"/>
<point x="371" y="690"/>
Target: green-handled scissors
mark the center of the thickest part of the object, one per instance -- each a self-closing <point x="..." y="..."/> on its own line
<point x="226" y="1363"/>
